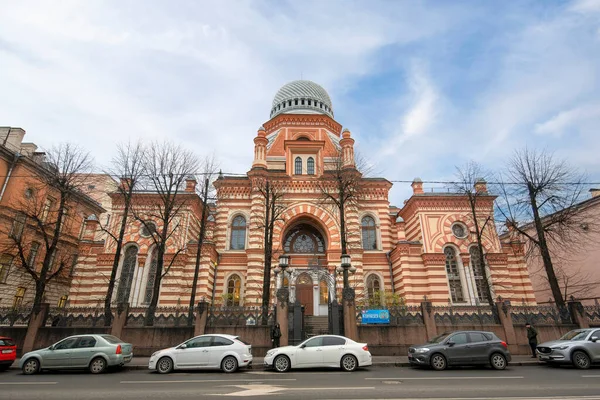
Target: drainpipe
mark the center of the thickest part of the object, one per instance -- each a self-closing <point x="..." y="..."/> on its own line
<point x="387" y="255"/>
<point x="10" y="170"/>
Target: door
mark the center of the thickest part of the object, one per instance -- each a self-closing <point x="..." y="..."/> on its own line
<point x="479" y="347"/>
<point x="459" y="352"/>
<point x="333" y="347"/>
<point x="305" y="295"/>
<point x="595" y="346"/>
<point x="195" y="354"/>
<point x="311" y="355"/>
<point x="59" y="356"/>
<point x="82" y="352"/>
<point x="218" y="346"/>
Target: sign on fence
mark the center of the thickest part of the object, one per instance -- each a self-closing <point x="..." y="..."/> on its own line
<point x="375" y="317"/>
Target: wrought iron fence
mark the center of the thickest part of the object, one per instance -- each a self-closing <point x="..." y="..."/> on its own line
<point x="593" y="314"/>
<point x="399" y="315"/>
<point x="15" y="316"/>
<point x="75" y="316"/>
<point x="465" y="315"/>
<point x="163" y="316"/>
<point x="540" y="315"/>
<point x="238" y="316"/>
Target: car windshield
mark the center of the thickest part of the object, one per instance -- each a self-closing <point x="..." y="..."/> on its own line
<point x="575" y="335"/>
<point x="438" y="338"/>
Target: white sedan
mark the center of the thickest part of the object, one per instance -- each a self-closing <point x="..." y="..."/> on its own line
<point x="320" y="351"/>
<point x="225" y="352"/>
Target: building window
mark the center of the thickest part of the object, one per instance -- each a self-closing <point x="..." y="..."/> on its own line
<point x="5" y="264"/>
<point x="62" y="302"/>
<point x="459" y="230"/>
<point x="51" y="262"/>
<point x="127" y="270"/>
<point x="238" y="233"/>
<point x="369" y="233"/>
<point x="374" y="289"/>
<point x="19" y="295"/>
<point x="148" y="229"/>
<point x="234" y="289"/>
<point x="478" y="273"/>
<point x="298" y="166"/>
<point x="305" y="239"/>
<point x="28" y="193"/>
<point x="456" y="289"/>
<point x="74" y="260"/>
<point x="323" y="293"/>
<point x="48" y="204"/>
<point x="151" y="277"/>
<point x="18" y="226"/>
<point x="310" y="166"/>
<point x="33" y="252"/>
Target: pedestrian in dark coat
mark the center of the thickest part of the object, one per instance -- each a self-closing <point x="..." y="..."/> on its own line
<point x="275" y="335"/>
<point x="532" y="338"/>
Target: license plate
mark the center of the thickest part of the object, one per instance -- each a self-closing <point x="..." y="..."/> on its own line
<point x="544" y="358"/>
<point x="6" y="351"/>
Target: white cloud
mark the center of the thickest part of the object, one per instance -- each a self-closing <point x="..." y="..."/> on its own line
<point x="564" y="120"/>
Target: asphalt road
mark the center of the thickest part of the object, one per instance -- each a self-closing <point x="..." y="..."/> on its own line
<point x="372" y="383"/>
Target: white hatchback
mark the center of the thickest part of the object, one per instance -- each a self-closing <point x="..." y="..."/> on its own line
<point x="225" y="352"/>
<point x="320" y="351"/>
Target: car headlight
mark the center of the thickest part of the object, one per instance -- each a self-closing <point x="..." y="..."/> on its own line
<point x="560" y="348"/>
<point x="154" y="354"/>
<point x="270" y="353"/>
<point x="421" y="350"/>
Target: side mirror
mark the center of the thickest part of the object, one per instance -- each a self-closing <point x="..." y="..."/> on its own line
<point x="183" y="346"/>
<point x="450" y="343"/>
<point x="594" y="339"/>
<point x="51" y="347"/>
<point x="302" y="346"/>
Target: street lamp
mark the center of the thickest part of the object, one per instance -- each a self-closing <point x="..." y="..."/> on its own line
<point x="344" y="267"/>
<point x="284" y="263"/>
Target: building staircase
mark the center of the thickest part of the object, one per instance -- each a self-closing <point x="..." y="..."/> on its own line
<point x="316" y="325"/>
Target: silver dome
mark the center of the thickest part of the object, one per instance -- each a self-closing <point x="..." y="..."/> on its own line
<point x="301" y="97"/>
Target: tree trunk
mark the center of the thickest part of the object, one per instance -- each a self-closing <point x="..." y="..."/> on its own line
<point x="115" y="267"/>
<point x="198" y="253"/>
<point x="544" y="251"/>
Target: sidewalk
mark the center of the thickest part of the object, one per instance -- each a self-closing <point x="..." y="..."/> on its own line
<point x="141" y="363"/>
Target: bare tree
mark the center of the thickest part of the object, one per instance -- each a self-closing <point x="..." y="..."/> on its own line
<point x="209" y="171"/>
<point x="167" y="166"/>
<point x="128" y="167"/>
<point x="471" y="183"/>
<point x="541" y="192"/>
<point x="47" y="215"/>
<point x="272" y="195"/>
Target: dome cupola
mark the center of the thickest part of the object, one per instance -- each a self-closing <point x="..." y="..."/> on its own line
<point x="302" y="97"/>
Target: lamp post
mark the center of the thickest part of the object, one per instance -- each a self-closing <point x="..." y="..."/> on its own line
<point x="284" y="264"/>
<point x="344" y="267"/>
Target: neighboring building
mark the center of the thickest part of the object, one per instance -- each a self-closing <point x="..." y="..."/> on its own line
<point x="422" y="250"/>
<point x="577" y="264"/>
<point x="23" y="194"/>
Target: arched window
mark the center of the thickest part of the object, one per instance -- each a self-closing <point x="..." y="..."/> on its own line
<point x="298" y="166"/>
<point x="369" y="233"/>
<point x="374" y="289"/>
<point x="238" y="233"/>
<point x="478" y="273"/>
<point x="234" y="289"/>
<point x="151" y="277"/>
<point x="305" y="239"/>
<point x="456" y="289"/>
<point x="323" y="292"/>
<point x="127" y="270"/>
<point x="310" y="166"/>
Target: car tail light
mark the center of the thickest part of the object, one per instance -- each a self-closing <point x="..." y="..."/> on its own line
<point x="504" y="344"/>
<point x="366" y="348"/>
<point x="119" y="350"/>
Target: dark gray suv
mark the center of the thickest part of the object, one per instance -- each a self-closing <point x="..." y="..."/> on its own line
<point x="461" y="348"/>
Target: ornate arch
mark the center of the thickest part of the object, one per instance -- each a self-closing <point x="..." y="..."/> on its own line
<point x="321" y="218"/>
<point x="445" y="236"/>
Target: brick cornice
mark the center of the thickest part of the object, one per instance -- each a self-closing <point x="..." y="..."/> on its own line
<point x="433" y="258"/>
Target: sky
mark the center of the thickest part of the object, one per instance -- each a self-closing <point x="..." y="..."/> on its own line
<point x="423" y="86"/>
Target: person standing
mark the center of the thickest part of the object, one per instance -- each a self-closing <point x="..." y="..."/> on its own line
<point x="275" y="335"/>
<point x="532" y="338"/>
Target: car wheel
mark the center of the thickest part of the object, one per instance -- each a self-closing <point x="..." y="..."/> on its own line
<point x="229" y="364"/>
<point x="581" y="360"/>
<point x="438" y="362"/>
<point x="498" y="361"/>
<point x="31" y="366"/>
<point x="281" y="363"/>
<point x="164" y="365"/>
<point x="98" y="365"/>
<point x="349" y="363"/>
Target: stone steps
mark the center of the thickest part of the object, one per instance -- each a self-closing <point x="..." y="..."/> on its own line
<point x="316" y="325"/>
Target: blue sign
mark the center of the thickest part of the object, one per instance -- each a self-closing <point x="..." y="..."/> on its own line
<point x="375" y="317"/>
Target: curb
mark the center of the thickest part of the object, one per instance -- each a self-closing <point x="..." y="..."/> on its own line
<point x="260" y="367"/>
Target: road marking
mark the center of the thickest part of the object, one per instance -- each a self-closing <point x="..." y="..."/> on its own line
<point x="590" y="376"/>
<point x="28" y="383"/>
<point x="267" y="390"/>
<point x="494" y="398"/>
<point x="294" y="372"/>
<point x="431" y="378"/>
<point x="202" y="381"/>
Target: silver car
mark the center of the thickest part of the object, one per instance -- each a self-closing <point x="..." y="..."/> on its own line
<point x="580" y="347"/>
<point x="93" y="352"/>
